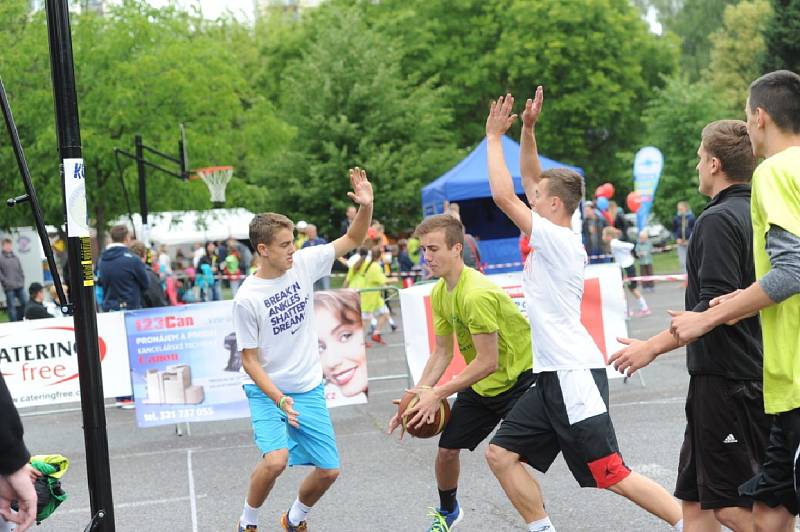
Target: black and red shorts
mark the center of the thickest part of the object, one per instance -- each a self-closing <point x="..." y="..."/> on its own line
<point x="566" y="411"/>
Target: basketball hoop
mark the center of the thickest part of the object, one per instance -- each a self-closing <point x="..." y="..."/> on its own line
<point x="216" y="179"/>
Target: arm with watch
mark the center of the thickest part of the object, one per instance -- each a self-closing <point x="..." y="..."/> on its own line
<point x="256" y="372"/>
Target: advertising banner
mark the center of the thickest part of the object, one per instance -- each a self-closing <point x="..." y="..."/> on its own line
<point x="602" y="313"/>
<point x="185" y="364"/>
<point x="647" y="168"/>
<point x="39" y="360"/>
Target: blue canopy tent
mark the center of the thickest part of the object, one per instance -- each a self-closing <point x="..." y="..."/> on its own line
<point x="468" y="184"/>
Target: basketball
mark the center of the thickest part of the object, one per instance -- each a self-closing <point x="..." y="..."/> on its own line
<point x="426" y="430"/>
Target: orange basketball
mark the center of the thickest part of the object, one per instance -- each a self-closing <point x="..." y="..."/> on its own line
<point x="426" y="430"/>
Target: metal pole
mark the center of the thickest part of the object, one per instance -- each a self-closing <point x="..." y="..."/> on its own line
<point x="142" y="173"/>
<point x="81" y="275"/>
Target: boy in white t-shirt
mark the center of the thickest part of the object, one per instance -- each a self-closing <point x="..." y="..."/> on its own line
<point x="273" y="316"/>
<point x="623" y="256"/>
<point x="566" y="409"/>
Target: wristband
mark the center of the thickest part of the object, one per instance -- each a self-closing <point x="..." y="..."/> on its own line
<point x="279" y="402"/>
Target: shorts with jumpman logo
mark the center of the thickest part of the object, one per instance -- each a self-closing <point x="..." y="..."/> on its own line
<point x="566" y="411"/>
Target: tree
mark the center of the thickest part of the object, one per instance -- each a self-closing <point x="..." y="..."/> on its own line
<point x="695" y="21"/>
<point x="783" y="37"/>
<point x="675" y="120"/>
<point x="352" y="106"/>
<point x="599" y="66"/>
<point x="142" y="70"/>
<point x="737" y="51"/>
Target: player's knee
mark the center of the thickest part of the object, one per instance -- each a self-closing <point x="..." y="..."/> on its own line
<point x="328" y="475"/>
<point x="274" y="464"/>
<point x="499" y="458"/>
<point x="730" y="517"/>
<point x="448" y="455"/>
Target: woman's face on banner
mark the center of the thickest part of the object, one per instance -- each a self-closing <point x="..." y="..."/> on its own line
<point x="341" y="352"/>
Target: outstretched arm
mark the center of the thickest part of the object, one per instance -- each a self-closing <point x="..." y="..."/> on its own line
<point x="500" y="180"/>
<point x="529" y="165"/>
<point x="361" y="194"/>
<point x="639" y="354"/>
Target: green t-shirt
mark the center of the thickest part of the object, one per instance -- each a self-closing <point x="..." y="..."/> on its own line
<point x="776" y="201"/>
<point x="369" y="275"/>
<point x="478" y="306"/>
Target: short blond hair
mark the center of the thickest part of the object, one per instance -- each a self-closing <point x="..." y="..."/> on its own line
<point x="265" y="226"/>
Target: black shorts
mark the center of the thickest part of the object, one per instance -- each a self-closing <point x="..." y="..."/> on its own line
<point x="630" y="271"/>
<point x="724" y="442"/>
<point x="776" y="484"/>
<point x="474" y="416"/>
<point x="566" y="411"/>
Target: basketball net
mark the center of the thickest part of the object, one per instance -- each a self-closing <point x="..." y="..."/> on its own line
<point x="216" y="179"/>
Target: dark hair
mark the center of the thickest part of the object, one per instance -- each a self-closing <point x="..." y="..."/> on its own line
<point x="118" y="234"/>
<point x="778" y="93"/>
<point x="565" y="184"/>
<point x="452" y="227"/>
<point x="728" y="141"/>
<point x="7" y="241"/>
<point x="362" y="256"/>
<point x="263" y="228"/>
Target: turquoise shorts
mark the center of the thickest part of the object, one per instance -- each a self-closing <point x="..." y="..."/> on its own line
<point x="314" y="443"/>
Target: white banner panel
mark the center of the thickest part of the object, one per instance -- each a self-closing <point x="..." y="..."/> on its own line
<point x="39" y="359"/>
<point x="602" y="313"/>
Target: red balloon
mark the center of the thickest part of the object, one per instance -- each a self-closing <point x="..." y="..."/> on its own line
<point x="606" y="190"/>
<point x="634" y="201"/>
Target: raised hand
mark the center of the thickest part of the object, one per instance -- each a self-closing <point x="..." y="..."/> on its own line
<point x="532" y="108"/>
<point x="362" y="188"/>
<point x="500" y="116"/>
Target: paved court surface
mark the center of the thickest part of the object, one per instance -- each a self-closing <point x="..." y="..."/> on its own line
<point x="163" y="482"/>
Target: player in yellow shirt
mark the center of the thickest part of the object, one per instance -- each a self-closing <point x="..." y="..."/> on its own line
<point x="494" y="338"/>
<point x="773" y="122"/>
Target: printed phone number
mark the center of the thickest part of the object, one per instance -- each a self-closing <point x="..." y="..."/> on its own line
<point x="179" y="414"/>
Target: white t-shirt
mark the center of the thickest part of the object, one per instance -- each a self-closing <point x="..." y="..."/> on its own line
<point x="276" y="316"/>
<point x="622" y="252"/>
<point x="553" y="284"/>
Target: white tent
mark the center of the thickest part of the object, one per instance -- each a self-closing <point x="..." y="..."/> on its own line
<point x="189" y="227"/>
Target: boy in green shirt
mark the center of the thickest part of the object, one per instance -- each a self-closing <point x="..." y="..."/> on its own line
<point x="773" y="122"/>
<point x="494" y="338"/>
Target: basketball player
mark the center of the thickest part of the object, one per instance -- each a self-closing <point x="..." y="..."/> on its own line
<point x="492" y="336"/>
<point x="273" y="316"/>
<point x="566" y="410"/>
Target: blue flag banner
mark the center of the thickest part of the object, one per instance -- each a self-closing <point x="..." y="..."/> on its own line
<point x="647" y="169"/>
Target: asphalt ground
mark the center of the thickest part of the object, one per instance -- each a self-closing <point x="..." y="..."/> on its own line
<point x="197" y="482"/>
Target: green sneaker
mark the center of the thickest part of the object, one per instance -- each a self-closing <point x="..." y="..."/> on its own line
<point x="444" y="521"/>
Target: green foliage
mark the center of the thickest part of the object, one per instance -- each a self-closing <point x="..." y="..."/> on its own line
<point x="142" y="70"/>
<point x="693" y="23"/>
<point x="675" y="119"/>
<point x="599" y="66"/>
<point x="737" y="51"/>
<point x="783" y="37"/>
<point x="351" y="106"/>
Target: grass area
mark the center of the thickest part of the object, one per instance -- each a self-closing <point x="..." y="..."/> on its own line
<point x="665" y="263"/>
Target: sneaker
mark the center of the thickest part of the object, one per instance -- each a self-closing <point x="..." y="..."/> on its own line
<point x="288" y="527"/>
<point x="393" y="326"/>
<point x="377" y="339"/>
<point x="643" y="313"/>
<point x="444" y="521"/>
<point x="248" y="528"/>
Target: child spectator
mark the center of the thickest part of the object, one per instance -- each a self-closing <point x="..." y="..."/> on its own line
<point x="644" y="252"/>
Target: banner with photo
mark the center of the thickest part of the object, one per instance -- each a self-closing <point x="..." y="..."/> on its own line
<point x="185" y="364"/>
<point x="602" y="313"/>
<point x="39" y="360"/>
